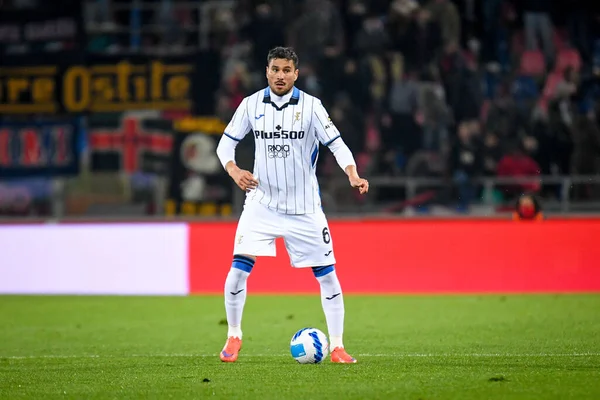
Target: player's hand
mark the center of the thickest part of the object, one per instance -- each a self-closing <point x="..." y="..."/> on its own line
<point x="244" y="179"/>
<point x="360" y="183"/>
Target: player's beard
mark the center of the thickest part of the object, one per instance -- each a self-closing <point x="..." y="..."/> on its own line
<point x="281" y="90"/>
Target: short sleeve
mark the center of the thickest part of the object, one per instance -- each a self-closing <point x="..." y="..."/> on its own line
<point x="239" y="125"/>
<point x="325" y="129"/>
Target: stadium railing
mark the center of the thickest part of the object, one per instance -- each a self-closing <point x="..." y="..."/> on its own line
<point x="410" y="196"/>
<point x="557" y="194"/>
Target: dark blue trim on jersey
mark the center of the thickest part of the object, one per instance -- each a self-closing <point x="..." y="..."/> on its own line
<point x="293" y="100"/>
<point x="314" y="156"/>
<point x="231" y="137"/>
<point x="242" y="263"/>
<point x="332" y="140"/>
<point x="322" y="271"/>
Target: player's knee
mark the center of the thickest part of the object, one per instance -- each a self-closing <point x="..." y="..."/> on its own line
<point x="243" y="262"/>
<point x="322" y="271"/>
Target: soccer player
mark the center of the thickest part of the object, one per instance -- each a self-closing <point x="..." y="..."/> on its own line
<point x="282" y="193"/>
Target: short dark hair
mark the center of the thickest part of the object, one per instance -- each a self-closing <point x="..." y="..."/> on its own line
<point x="286" y="53"/>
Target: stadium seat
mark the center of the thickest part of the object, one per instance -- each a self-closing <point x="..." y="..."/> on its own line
<point x="568" y="57"/>
<point x="524" y="88"/>
<point x="532" y="63"/>
<point x="525" y="92"/>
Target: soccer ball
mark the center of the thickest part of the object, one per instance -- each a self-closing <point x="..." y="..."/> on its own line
<point x="309" y="346"/>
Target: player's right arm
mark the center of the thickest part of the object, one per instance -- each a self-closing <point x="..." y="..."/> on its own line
<point x="235" y="131"/>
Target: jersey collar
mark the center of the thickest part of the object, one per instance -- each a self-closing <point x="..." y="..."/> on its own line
<point x="293" y="100"/>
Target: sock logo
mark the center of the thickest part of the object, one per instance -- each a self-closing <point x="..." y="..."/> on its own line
<point x="238" y="292"/>
<point x="333" y="297"/>
<point x="328" y="253"/>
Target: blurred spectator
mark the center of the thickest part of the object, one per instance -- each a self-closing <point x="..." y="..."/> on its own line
<point x="318" y="36"/>
<point x="316" y="32"/>
<point x="355" y="12"/>
<point x="531" y="147"/>
<point x="492" y="153"/>
<point x="586" y="151"/>
<point x="470" y="12"/>
<point x="447" y="16"/>
<point x="589" y="89"/>
<point x="466" y="164"/>
<point x="566" y="90"/>
<point x="372" y="37"/>
<point x="462" y="83"/>
<point x="491" y="13"/>
<point x="503" y="117"/>
<point x="224" y="28"/>
<point x="404" y="134"/>
<point x="420" y="42"/>
<point x="265" y="31"/>
<point x="99" y="12"/>
<point x="172" y="35"/>
<point x="518" y="164"/>
<point x="237" y="84"/>
<point x="435" y="116"/>
<point x="310" y="81"/>
<point x="560" y="118"/>
<point x="580" y="18"/>
<point x="538" y="26"/>
<point x="350" y="120"/>
<point x="356" y="84"/>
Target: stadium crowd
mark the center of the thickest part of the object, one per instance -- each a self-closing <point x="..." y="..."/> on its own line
<point x="429" y="88"/>
<point x="436" y="88"/>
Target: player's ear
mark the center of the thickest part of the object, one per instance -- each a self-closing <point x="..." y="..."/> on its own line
<point x="296" y="75"/>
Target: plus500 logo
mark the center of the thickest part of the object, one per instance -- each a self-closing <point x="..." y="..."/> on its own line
<point x="279" y="135"/>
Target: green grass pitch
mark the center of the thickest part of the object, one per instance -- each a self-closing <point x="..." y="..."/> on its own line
<point x="408" y="347"/>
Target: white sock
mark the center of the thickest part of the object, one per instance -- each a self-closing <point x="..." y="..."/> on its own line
<point x="332" y="300"/>
<point x="335" y="341"/>
<point x="235" y="298"/>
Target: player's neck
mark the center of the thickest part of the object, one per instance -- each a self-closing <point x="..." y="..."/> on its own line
<point x="283" y="98"/>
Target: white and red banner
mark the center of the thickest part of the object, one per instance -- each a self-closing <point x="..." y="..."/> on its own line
<point x="374" y="256"/>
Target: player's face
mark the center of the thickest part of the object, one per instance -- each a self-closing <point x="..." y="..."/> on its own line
<point x="281" y="75"/>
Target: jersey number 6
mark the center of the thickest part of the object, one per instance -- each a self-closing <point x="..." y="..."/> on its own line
<point x="326" y="237"/>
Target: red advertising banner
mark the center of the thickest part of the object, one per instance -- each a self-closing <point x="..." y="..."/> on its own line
<point x="420" y="257"/>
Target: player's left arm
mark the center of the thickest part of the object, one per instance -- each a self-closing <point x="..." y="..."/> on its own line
<point x="328" y="134"/>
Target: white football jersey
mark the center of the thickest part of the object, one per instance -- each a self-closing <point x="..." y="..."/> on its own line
<point x="286" y="141"/>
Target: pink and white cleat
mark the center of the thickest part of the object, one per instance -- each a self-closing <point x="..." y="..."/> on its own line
<point x="339" y="355"/>
<point x="231" y="349"/>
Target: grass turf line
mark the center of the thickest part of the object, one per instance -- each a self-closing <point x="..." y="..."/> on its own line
<point x="413" y="347"/>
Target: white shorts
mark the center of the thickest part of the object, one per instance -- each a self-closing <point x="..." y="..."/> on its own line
<point x="306" y="236"/>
